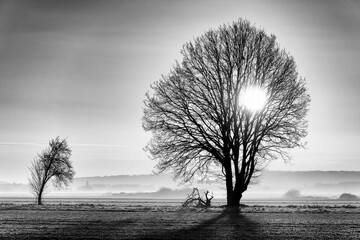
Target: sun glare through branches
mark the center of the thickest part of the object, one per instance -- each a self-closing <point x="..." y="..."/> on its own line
<point x="253" y="98"/>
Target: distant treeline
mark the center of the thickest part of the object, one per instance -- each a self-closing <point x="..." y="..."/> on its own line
<point x="308" y="182"/>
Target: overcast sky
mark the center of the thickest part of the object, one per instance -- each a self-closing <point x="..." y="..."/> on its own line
<point x="80" y="69"/>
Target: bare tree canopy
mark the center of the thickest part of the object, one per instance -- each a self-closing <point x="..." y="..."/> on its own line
<point x="52" y="163"/>
<point x="201" y="119"/>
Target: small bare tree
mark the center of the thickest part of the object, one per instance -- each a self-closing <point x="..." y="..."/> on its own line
<point x="52" y="163"/>
<point x="194" y="199"/>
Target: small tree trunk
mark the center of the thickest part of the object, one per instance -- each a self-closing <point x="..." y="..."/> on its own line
<point x="40" y="193"/>
<point x="39" y="202"/>
<point x="208" y="199"/>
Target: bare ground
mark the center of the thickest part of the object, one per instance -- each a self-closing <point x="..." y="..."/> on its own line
<point x="111" y="222"/>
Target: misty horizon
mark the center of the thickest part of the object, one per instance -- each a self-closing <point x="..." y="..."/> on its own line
<point x="310" y="184"/>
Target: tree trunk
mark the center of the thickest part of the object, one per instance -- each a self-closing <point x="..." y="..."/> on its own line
<point x="40" y="193"/>
<point x="39" y="202"/>
<point x="234" y="199"/>
<point x="234" y="196"/>
<point x="229" y="197"/>
<point x="233" y="193"/>
<point x="229" y="187"/>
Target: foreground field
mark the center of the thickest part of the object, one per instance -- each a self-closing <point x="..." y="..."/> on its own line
<point x="88" y="221"/>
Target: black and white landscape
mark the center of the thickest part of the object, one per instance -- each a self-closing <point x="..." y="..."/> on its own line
<point x="156" y="119"/>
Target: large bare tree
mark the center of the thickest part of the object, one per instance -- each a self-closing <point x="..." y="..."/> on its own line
<point x="52" y="163"/>
<point x="200" y="120"/>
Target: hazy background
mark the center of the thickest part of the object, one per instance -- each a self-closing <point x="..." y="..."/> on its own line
<point x="309" y="185"/>
<point x="80" y="69"/>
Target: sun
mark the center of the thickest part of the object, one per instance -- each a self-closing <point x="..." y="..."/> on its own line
<point x="253" y="98"/>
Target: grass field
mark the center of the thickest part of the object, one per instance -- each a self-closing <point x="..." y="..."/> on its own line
<point x="96" y="221"/>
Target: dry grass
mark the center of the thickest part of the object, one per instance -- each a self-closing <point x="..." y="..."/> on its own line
<point x="89" y="221"/>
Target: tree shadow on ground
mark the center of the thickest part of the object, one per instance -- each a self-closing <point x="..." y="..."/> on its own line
<point x="227" y="225"/>
<point x="136" y="225"/>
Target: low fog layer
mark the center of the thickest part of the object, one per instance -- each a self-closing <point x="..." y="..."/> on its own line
<point x="272" y="184"/>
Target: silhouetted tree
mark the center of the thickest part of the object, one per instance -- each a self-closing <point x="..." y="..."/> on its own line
<point x="197" y="118"/>
<point x="52" y="163"/>
<point x="194" y="199"/>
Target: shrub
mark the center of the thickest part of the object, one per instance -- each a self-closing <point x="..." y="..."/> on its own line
<point x="293" y="193"/>
<point x="348" y="196"/>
